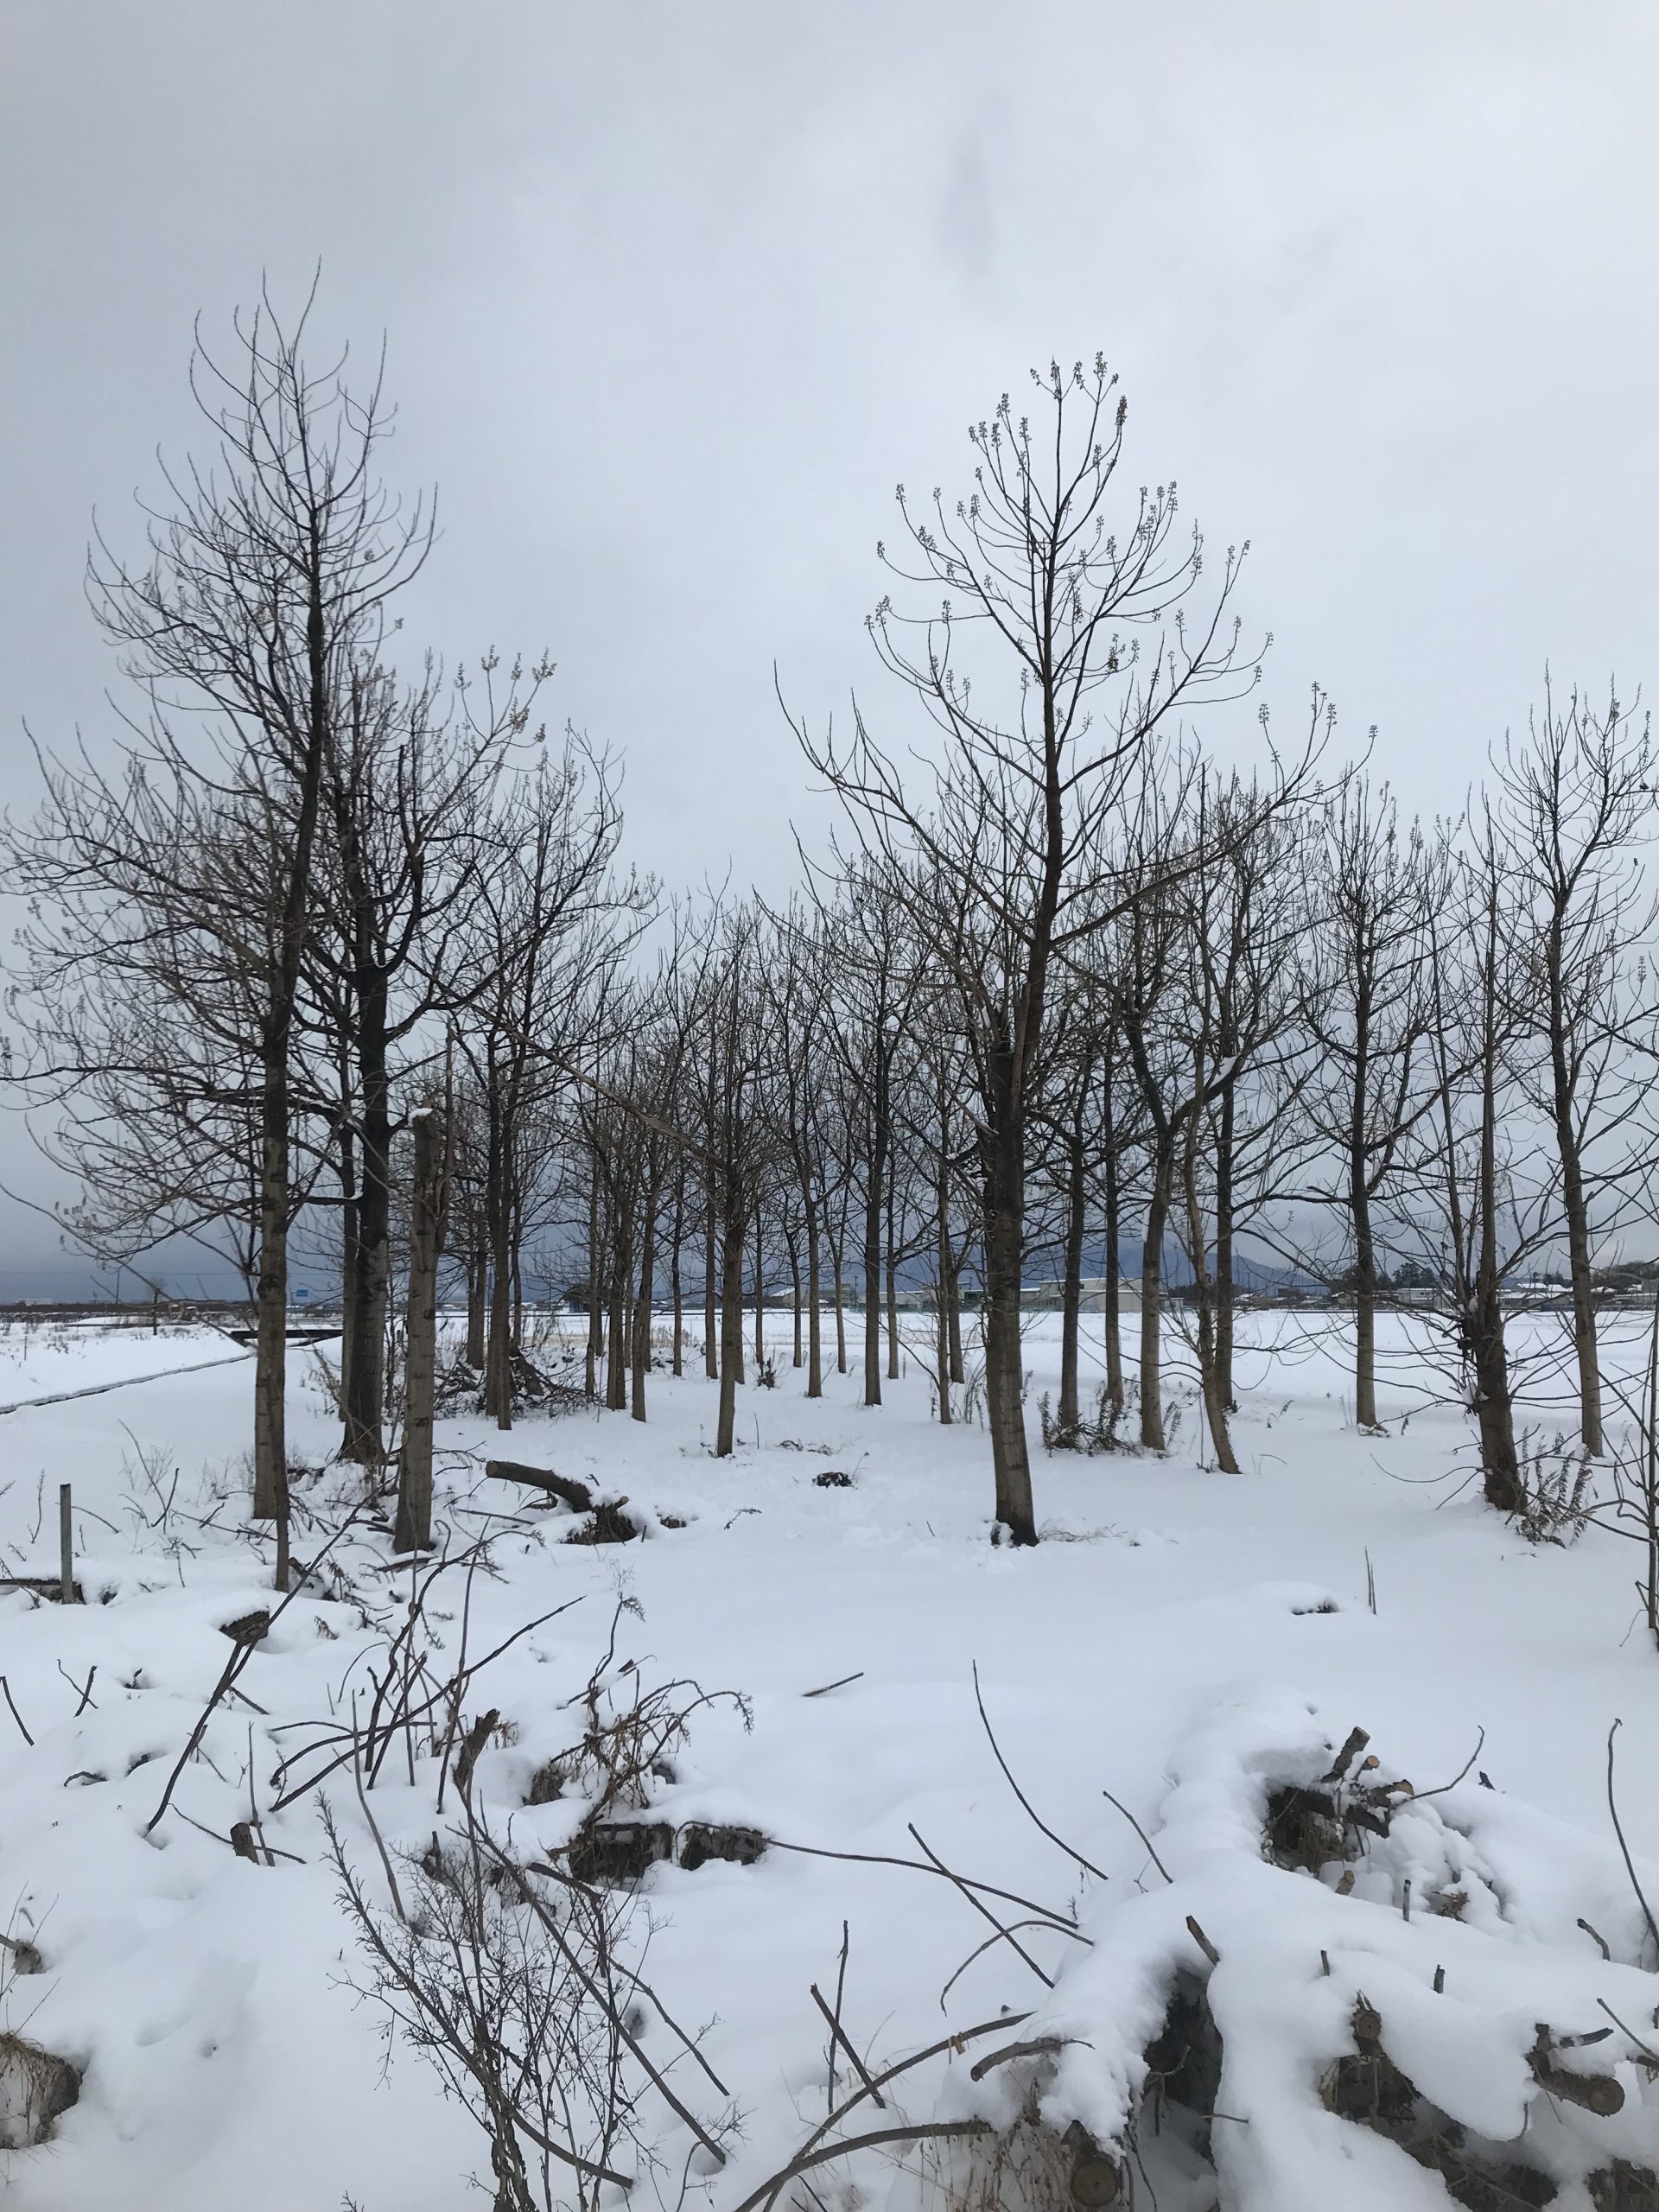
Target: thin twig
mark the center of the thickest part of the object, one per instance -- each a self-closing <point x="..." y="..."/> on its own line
<point x="985" y="1912"/>
<point x="824" y="1688"/>
<point x="920" y="1866"/>
<point x="840" y="2036"/>
<point x="917" y="2132"/>
<point x="1629" y="1863"/>
<point x="1140" y="1832"/>
<point x="1059" y="1842"/>
<point x="16" y="1716"/>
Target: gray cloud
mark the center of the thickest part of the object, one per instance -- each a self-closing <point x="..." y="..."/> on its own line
<point x="674" y="294"/>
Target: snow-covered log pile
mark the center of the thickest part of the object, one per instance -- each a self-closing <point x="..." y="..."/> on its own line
<point x="1332" y="1994"/>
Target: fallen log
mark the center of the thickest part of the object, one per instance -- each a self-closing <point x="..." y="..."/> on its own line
<point x="565" y="1488"/>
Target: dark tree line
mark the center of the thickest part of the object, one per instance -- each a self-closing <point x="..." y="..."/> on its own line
<point x="319" y="947"/>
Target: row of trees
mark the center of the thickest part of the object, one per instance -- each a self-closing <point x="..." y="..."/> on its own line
<point x="1061" y="982"/>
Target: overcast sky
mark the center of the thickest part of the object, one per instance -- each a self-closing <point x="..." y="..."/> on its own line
<point x="674" y="294"/>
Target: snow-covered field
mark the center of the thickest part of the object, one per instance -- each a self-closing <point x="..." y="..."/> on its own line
<point x="1179" y="1633"/>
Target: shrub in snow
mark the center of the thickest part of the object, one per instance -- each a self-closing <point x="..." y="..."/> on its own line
<point x="1340" y="1995"/>
<point x="36" y="2086"/>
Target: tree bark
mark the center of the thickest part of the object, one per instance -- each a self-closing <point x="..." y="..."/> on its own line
<point x="1004" y="1153"/>
<point x="731" y="1331"/>
<point x="1071" y="1287"/>
<point x="1574" y="1204"/>
<point x="414" y="1527"/>
<point x="1115" y="1391"/>
<point x="814" y="1297"/>
<point x="1152" y="1272"/>
<point x="710" y="1323"/>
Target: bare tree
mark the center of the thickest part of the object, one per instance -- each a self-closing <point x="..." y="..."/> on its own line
<point x="1090" y="629"/>
<point x="1574" y="804"/>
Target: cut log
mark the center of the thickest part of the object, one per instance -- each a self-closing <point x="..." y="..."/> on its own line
<point x="565" y="1488"/>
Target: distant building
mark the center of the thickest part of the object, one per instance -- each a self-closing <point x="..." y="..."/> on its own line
<point x="1050" y="1297"/>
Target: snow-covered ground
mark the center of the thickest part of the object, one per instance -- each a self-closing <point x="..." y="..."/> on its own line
<point x="1179" y="1633"/>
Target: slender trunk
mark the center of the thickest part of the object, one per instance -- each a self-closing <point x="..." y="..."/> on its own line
<point x="1115" y="1391"/>
<point x="348" y="1267"/>
<point x="958" y="1368"/>
<point x="270" y="1361"/>
<point x="1004" y="1150"/>
<point x="1224" y="1289"/>
<point x="1364" y="1298"/>
<point x="414" y="1528"/>
<point x="1500" y="1465"/>
<point x="676" y="1286"/>
<point x="497" y="1216"/>
<point x="759" y="1295"/>
<point x="710" y="1335"/>
<point x="838" y="1250"/>
<point x="731" y="1327"/>
<point x="616" y="1357"/>
<point x="872" y="1267"/>
<point x="477" y="1276"/>
<point x="1071" y="1285"/>
<point x="364" y="1408"/>
<point x="595" y="1325"/>
<point x="794" y="1247"/>
<point x="892" y="1280"/>
<point x="642" y="1309"/>
<point x="1152" y="1271"/>
<point x="814" y="1319"/>
<point x="1204" y="1290"/>
<point x="942" y="1265"/>
<point x="1574" y="1206"/>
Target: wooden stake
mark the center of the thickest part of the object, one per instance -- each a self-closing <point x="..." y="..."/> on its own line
<point x="66" y="1547"/>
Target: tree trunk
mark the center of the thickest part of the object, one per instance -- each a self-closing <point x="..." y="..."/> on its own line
<point x="873" y="1275"/>
<point x="497" y="1349"/>
<point x="814" y="1319"/>
<point x="1359" y="1198"/>
<point x="1210" y="1383"/>
<point x="837" y="1251"/>
<point x="675" y="1288"/>
<point x="365" y="1372"/>
<point x="794" y="1242"/>
<point x="1500" y="1467"/>
<point x="617" y="1350"/>
<point x="1152" y="1271"/>
<point x="710" y="1327"/>
<point x="731" y="1328"/>
<point x="595" y="1325"/>
<point x="477" y="1276"/>
<point x="271" y="1357"/>
<point x="1574" y="1208"/>
<point x="892" y="1281"/>
<point x="1223" y="1291"/>
<point x="1115" y="1391"/>
<point x="414" y="1528"/>
<point x="759" y="1295"/>
<point x="942" y="1267"/>
<point x="1004" y="1367"/>
<point x="642" y="1310"/>
<point x="1071" y="1285"/>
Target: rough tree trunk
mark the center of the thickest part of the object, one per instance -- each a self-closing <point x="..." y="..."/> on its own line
<point x="710" y="1324"/>
<point x="1071" y="1287"/>
<point x="414" y="1528"/>
<point x="1005" y="1191"/>
<point x="1151" y="1274"/>
<point x="1223" y="1288"/>
<point x="814" y="1293"/>
<point x="1113" y="1267"/>
<point x="271" y="1358"/>
<point x="731" y="1333"/>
